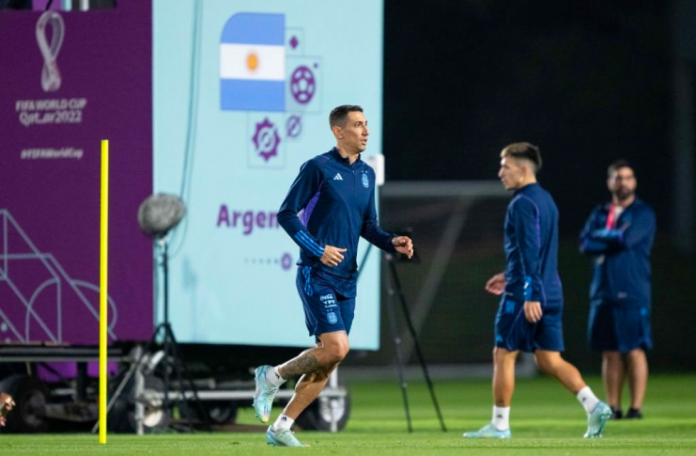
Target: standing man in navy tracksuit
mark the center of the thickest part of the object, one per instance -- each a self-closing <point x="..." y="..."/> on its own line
<point x="329" y="206"/>
<point x="619" y="237"/>
<point x="529" y="316"/>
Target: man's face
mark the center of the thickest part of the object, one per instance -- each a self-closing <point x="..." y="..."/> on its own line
<point x="511" y="173"/>
<point x="622" y="183"/>
<point x="353" y="135"/>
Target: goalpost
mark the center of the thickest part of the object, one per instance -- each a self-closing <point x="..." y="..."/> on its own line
<point x="457" y="228"/>
<point x="103" y="290"/>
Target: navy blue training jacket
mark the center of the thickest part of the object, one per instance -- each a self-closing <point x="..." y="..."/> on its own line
<point x="332" y="202"/>
<point x="621" y="256"/>
<point x="531" y="247"/>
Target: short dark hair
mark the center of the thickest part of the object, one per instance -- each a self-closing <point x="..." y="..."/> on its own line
<point x="338" y="114"/>
<point x="524" y="151"/>
<point x="617" y="165"/>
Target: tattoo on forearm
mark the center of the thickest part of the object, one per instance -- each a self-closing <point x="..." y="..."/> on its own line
<point x="305" y="363"/>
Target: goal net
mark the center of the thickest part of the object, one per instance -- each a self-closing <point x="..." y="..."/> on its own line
<point x="457" y="229"/>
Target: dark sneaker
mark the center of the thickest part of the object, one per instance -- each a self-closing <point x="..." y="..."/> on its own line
<point x="616" y="414"/>
<point x="634" y="414"/>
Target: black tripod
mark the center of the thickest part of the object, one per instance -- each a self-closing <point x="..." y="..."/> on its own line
<point x="394" y="289"/>
<point x="168" y="359"/>
<point x="172" y="359"/>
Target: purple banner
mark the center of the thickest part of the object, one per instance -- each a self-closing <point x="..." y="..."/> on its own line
<point x="40" y="5"/>
<point x="69" y="80"/>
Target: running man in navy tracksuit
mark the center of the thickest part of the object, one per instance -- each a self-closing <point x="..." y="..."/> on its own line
<point x="531" y="307"/>
<point x="329" y="207"/>
<point x="619" y="237"/>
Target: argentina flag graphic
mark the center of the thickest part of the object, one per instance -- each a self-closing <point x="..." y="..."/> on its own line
<point x="252" y="63"/>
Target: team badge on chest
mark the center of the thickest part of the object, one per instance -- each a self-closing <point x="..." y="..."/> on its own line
<point x="365" y="180"/>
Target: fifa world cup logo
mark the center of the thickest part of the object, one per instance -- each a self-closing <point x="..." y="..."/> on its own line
<point x="50" y="75"/>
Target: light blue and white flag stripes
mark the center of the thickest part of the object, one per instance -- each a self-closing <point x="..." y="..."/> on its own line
<point x="252" y="63"/>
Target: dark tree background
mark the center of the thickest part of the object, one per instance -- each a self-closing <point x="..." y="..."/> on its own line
<point x="587" y="81"/>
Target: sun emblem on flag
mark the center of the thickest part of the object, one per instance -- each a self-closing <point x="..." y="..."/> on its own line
<point x="252" y="61"/>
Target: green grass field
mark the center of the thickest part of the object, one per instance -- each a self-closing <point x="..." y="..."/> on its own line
<point x="545" y="420"/>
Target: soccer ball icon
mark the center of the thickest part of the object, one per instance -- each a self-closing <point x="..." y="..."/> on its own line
<point x="302" y="84"/>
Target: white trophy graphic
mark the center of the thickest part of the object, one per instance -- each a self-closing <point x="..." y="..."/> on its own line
<point x="50" y="75"/>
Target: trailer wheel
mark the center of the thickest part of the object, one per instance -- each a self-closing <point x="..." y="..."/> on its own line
<point x="222" y="412"/>
<point x="122" y="415"/>
<point x="318" y="416"/>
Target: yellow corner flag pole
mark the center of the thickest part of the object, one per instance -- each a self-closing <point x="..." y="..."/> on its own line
<point x="103" y="292"/>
